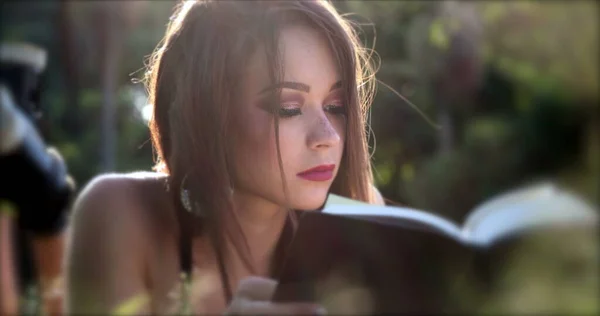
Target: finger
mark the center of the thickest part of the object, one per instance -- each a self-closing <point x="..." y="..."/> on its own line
<point x="269" y="308"/>
<point x="256" y="288"/>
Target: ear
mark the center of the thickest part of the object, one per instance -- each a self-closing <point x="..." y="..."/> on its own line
<point x="377" y="195"/>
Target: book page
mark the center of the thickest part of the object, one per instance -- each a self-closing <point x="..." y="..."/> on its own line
<point x="391" y="215"/>
<point x="542" y="205"/>
<point x="334" y="199"/>
<point x="506" y="199"/>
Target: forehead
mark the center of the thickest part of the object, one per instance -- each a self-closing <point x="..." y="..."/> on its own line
<point x="307" y="58"/>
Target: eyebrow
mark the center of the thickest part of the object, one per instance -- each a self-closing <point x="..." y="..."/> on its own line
<point x="297" y="86"/>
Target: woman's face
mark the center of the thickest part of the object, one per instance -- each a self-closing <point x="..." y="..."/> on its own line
<point x="312" y="124"/>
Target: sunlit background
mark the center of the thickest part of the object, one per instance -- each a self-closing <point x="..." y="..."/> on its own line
<point x="497" y="94"/>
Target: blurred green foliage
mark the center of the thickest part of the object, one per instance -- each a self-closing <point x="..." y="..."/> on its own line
<point x="528" y="113"/>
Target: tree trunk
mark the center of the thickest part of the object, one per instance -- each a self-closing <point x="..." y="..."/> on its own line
<point x="110" y="45"/>
<point x="68" y="55"/>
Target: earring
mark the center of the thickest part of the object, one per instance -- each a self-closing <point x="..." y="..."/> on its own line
<point x="186" y="202"/>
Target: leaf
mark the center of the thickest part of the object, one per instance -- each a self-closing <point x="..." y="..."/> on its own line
<point x="132" y="306"/>
<point x="438" y="36"/>
<point x="408" y="172"/>
<point x="7" y="208"/>
<point x="494" y="11"/>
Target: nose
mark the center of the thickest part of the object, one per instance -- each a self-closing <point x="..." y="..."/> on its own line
<point x="322" y="134"/>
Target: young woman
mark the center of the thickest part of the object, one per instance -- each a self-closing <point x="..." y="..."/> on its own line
<point x="259" y="113"/>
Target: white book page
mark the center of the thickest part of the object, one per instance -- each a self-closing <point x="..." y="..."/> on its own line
<point x="341" y="206"/>
<point x="542" y="205"/>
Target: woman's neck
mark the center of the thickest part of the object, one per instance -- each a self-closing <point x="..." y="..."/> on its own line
<point x="261" y="222"/>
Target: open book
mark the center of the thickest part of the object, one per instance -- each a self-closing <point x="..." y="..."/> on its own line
<point x="361" y="258"/>
<point x="524" y="209"/>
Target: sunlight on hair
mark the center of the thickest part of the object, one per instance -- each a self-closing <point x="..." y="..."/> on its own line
<point x="138" y="99"/>
<point x="412" y="105"/>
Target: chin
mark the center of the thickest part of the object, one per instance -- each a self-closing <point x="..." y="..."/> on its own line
<point x="310" y="201"/>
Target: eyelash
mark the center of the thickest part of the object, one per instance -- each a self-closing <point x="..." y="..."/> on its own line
<point x="333" y="109"/>
<point x="336" y="109"/>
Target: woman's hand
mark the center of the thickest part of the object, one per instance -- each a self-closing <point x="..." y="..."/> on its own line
<point x="253" y="297"/>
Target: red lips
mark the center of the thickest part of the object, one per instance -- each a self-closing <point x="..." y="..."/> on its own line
<point x="318" y="173"/>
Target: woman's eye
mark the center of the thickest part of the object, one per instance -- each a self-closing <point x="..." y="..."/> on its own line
<point x="336" y="109"/>
<point x="289" y="112"/>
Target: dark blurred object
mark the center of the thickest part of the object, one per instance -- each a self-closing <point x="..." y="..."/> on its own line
<point x="21" y="68"/>
<point x="34" y="176"/>
<point x="37" y="182"/>
<point x="362" y="267"/>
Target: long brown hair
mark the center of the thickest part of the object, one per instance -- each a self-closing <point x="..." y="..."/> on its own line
<point x="191" y="80"/>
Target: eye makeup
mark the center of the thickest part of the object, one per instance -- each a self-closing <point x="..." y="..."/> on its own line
<point x="336" y="106"/>
<point x="290" y="104"/>
<point x="336" y="109"/>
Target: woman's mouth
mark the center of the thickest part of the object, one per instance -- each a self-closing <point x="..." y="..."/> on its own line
<point x="318" y="173"/>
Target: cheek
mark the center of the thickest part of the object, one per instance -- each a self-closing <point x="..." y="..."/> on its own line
<point x="291" y="145"/>
<point x="255" y="150"/>
<point x="253" y="146"/>
<point x="339" y="123"/>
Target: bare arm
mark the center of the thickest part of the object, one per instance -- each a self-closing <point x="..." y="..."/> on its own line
<point x="8" y="286"/>
<point x="105" y="248"/>
<point x="48" y="252"/>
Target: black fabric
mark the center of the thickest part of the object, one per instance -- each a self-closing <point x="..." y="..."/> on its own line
<point x="40" y="191"/>
<point x="185" y="243"/>
<point x="387" y="269"/>
<point x="405" y="270"/>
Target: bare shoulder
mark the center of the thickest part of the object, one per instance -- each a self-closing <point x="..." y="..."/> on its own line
<point x="118" y="185"/>
<point x="109" y="235"/>
<point x="119" y="195"/>
<point x="121" y="207"/>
